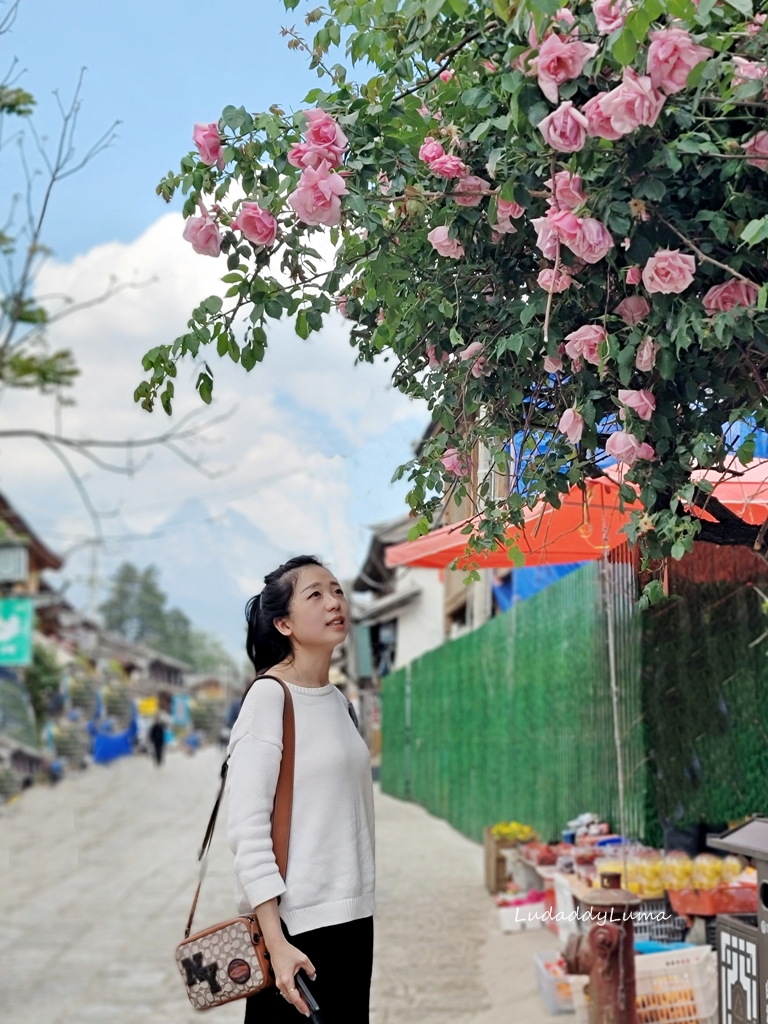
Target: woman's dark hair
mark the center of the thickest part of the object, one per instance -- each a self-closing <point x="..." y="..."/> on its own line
<point x="265" y="644"/>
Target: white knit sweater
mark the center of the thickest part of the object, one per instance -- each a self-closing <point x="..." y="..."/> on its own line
<point x="330" y="876"/>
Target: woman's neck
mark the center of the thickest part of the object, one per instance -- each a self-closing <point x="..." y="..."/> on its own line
<point x="306" y="668"/>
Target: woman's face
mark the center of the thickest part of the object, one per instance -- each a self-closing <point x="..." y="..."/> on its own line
<point x="319" y="615"/>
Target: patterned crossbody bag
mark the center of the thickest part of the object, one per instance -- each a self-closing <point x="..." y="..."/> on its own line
<point x="230" y="960"/>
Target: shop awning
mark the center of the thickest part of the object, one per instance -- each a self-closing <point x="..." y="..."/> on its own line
<point x="585" y="526"/>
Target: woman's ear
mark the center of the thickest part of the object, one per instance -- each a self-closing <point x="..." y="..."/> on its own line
<point x="281" y="625"/>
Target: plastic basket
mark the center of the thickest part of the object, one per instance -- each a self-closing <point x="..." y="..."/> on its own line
<point x="672" y="929"/>
<point x="680" y="985"/>
<point x="555" y="989"/>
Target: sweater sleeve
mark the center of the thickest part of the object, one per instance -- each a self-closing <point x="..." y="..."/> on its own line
<point x="255" y="751"/>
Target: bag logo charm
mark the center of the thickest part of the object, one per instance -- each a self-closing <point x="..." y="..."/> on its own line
<point x="196" y="972"/>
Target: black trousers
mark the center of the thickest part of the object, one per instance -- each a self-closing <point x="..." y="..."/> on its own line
<point x="342" y="955"/>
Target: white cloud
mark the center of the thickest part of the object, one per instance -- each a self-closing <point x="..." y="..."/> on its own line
<point x="304" y="417"/>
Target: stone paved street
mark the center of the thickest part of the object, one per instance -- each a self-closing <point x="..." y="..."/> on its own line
<point x="96" y="877"/>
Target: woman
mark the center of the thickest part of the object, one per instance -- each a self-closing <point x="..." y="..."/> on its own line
<point x="319" y="918"/>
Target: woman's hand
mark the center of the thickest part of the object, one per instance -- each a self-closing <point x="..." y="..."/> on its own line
<point x="286" y="960"/>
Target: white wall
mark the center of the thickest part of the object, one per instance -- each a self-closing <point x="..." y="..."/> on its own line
<point x="420" y="625"/>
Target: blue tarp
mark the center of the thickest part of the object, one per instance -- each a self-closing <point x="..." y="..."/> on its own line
<point x="109" y="746"/>
<point x="523" y="583"/>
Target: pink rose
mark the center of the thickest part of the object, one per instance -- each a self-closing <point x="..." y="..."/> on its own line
<point x="645" y="359"/>
<point x="585" y="343"/>
<point x="203" y="235"/>
<point x="565" y="224"/>
<point x="632" y="103"/>
<point x="641" y="402"/>
<point x="506" y="212"/>
<point x="469" y="191"/>
<point x="550" y="283"/>
<point x="317" y="199"/>
<point x="633" y="309"/>
<point x="669" y="272"/>
<point x="566" y="190"/>
<point x="610" y="15"/>
<point x="424" y="110"/>
<point x="478" y="361"/>
<point x="592" y="242"/>
<point x="432" y="359"/>
<point x="449" y="166"/>
<point x="341" y="305"/>
<point x="572" y="425"/>
<point x="634" y="275"/>
<point x="546" y="237"/>
<point x="598" y="122"/>
<point x="258" y="226"/>
<point x="757" y="146"/>
<point x="206" y="138"/>
<point x="672" y="56"/>
<point x="553" y="364"/>
<point x="626" y="448"/>
<point x="456" y="462"/>
<point x="324" y="133"/>
<point x="444" y="244"/>
<point x="755" y="26"/>
<point x="565" y="129"/>
<point x="303" y="154"/>
<point x="447" y="75"/>
<point x="560" y="60"/>
<point x="723" y="297"/>
<point x="430" y="150"/>
<point x="747" y="71"/>
<point x="489" y="66"/>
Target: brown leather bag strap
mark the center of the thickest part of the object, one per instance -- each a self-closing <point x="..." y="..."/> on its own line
<point x="283" y="808"/>
<point x="281" y="811"/>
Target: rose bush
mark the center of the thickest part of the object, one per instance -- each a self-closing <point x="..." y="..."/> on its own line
<point x="554" y="218"/>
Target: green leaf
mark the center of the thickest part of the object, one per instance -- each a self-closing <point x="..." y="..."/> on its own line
<point x="546" y="6"/>
<point x="273" y="308"/>
<point x="625" y="48"/>
<point x="508" y="191"/>
<point x="248" y="358"/>
<point x="638" y="23"/>
<point x="291" y="5"/>
<point x="742" y="6"/>
<point x="756" y="231"/>
<point x="458" y="7"/>
<point x="213" y="303"/>
<point x="746" y="451"/>
<point x="456" y="338"/>
<point x="419" y="529"/>
<point x="678" y="550"/>
<point x="205" y="387"/>
<point x="302" y="327"/>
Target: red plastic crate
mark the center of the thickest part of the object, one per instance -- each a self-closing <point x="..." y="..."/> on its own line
<point x="726" y="899"/>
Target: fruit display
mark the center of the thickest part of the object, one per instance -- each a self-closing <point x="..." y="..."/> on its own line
<point x="644" y="869"/>
<point x="707" y="871"/>
<point x="513" y="832"/>
<point x="676" y="871"/>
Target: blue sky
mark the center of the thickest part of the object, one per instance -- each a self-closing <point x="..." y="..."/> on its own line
<point x="337" y="431"/>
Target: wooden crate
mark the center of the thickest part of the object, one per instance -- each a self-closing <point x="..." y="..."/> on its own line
<point x="495" y="865"/>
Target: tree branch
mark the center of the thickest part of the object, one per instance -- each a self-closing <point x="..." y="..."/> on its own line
<point x="445" y="60"/>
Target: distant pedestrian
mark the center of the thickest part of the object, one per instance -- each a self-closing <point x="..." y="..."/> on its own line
<point x="157" y="739"/>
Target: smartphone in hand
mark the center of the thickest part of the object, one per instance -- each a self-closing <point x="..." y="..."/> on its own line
<point x="309" y="999"/>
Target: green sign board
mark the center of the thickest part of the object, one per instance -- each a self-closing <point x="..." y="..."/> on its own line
<point x="16" y="616"/>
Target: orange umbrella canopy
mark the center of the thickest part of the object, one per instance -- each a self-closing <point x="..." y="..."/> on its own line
<point x="585" y="526"/>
